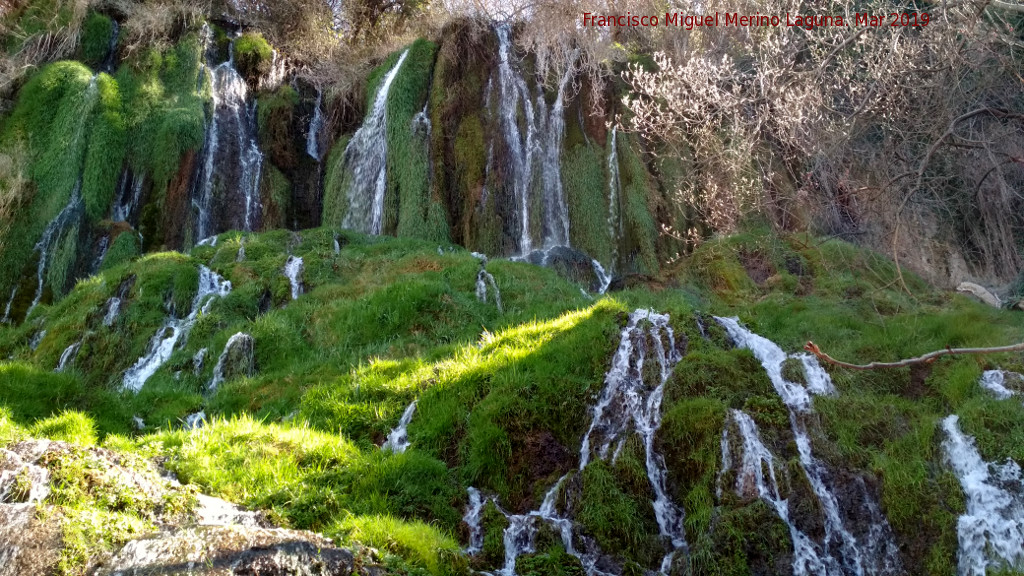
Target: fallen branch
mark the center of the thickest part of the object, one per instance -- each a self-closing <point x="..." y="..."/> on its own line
<point x="925" y="359"/>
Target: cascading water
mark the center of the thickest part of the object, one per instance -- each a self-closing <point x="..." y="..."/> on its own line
<point x="483" y="279"/>
<point x="627" y="404"/>
<point x="535" y="153"/>
<point x="366" y="157"/>
<point x="240" y="346"/>
<point x="293" y="269"/>
<point x="472" y="518"/>
<point x="398" y="439"/>
<point x="211" y="287"/>
<point x="995" y="382"/>
<point x="194" y="421"/>
<point x="614" y="195"/>
<point x="315" y="126"/>
<point x="991" y="532"/>
<point x="68" y="356"/>
<point x="752" y="482"/>
<point x="232" y="162"/>
<point x="877" y="553"/>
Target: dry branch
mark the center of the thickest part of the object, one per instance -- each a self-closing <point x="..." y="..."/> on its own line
<point x="925" y="359"/>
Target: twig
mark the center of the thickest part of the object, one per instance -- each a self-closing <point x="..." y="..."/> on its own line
<point x="925" y="359"/>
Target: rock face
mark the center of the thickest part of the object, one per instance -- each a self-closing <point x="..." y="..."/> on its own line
<point x="191" y="533"/>
<point x="231" y="550"/>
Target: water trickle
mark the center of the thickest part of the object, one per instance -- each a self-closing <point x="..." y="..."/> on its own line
<point x="880" y="556"/>
<point x="239" y="348"/>
<point x="991" y="532"/>
<point x="398" y="439"/>
<point x="752" y="482"/>
<point x="278" y="69"/>
<point x="101" y="254"/>
<point x="337" y="246"/>
<point x="68" y="356"/>
<point x="995" y="382"/>
<point x="604" y="279"/>
<point x="37" y="340"/>
<point x="199" y="361"/>
<point x="293" y="269"/>
<point x="232" y="162"/>
<point x="483" y="279"/>
<point x="51" y="238"/>
<point x="113" y="309"/>
<point x="315" y="125"/>
<point x="211" y="287"/>
<point x="140" y="425"/>
<point x="128" y="198"/>
<point x="194" y="421"/>
<point x="421" y="122"/>
<point x="10" y="302"/>
<point x="472" y="518"/>
<point x="366" y="156"/>
<point x="240" y="256"/>
<point x="208" y="241"/>
<point x="111" y="57"/>
<point x="614" y="194"/>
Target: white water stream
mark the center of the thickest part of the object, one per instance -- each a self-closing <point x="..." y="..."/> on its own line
<point x="366" y="156"/>
<point x="211" y="287"/>
<point x="877" y="555"/>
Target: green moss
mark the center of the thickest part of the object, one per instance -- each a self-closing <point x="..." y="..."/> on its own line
<point x="253" y="56"/>
<point x="124" y="249"/>
<point x="639" y="209"/>
<point x="586" y="193"/>
<point x="619" y="522"/>
<point x="746" y="540"/>
<point x="689" y="438"/>
<point x="336" y="184"/>
<point x="97" y="30"/>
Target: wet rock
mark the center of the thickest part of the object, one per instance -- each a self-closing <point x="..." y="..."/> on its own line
<point x="569" y="263"/>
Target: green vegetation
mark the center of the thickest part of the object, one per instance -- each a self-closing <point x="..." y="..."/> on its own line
<point x="253" y="56"/>
<point x="337" y="367"/>
<point x="97" y="30"/>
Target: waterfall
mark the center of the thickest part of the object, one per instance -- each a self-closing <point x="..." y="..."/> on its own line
<point x="68" y="356"/>
<point x="880" y="554"/>
<point x="293" y="269"/>
<point x="232" y="162"/>
<point x="398" y="439"/>
<point x="751" y="482"/>
<point x="513" y="93"/>
<point x="366" y="155"/>
<point x="421" y="122"/>
<point x="238" y="341"/>
<point x="535" y="153"/>
<point x="614" y="196"/>
<point x="628" y="404"/>
<point x="991" y="532"/>
<point x="315" y="125"/>
<point x="211" y="287"/>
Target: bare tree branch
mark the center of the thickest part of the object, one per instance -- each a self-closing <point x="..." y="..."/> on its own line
<point x="925" y="359"/>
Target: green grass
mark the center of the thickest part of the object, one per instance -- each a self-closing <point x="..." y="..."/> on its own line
<point x="389" y="320"/>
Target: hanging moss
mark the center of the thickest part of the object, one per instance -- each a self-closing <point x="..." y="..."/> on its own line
<point x="275" y="113"/>
<point x="97" y="30"/>
<point x="419" y="215"/>
<point x="336" y="184"/>
<point x="253" y="56"/>
<point x="586" y="193"/>
<point x="276" y="195"/>
<point x="66" y="115"/>
<point x="124" y="249"/>
<point x="640" y="207"/>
